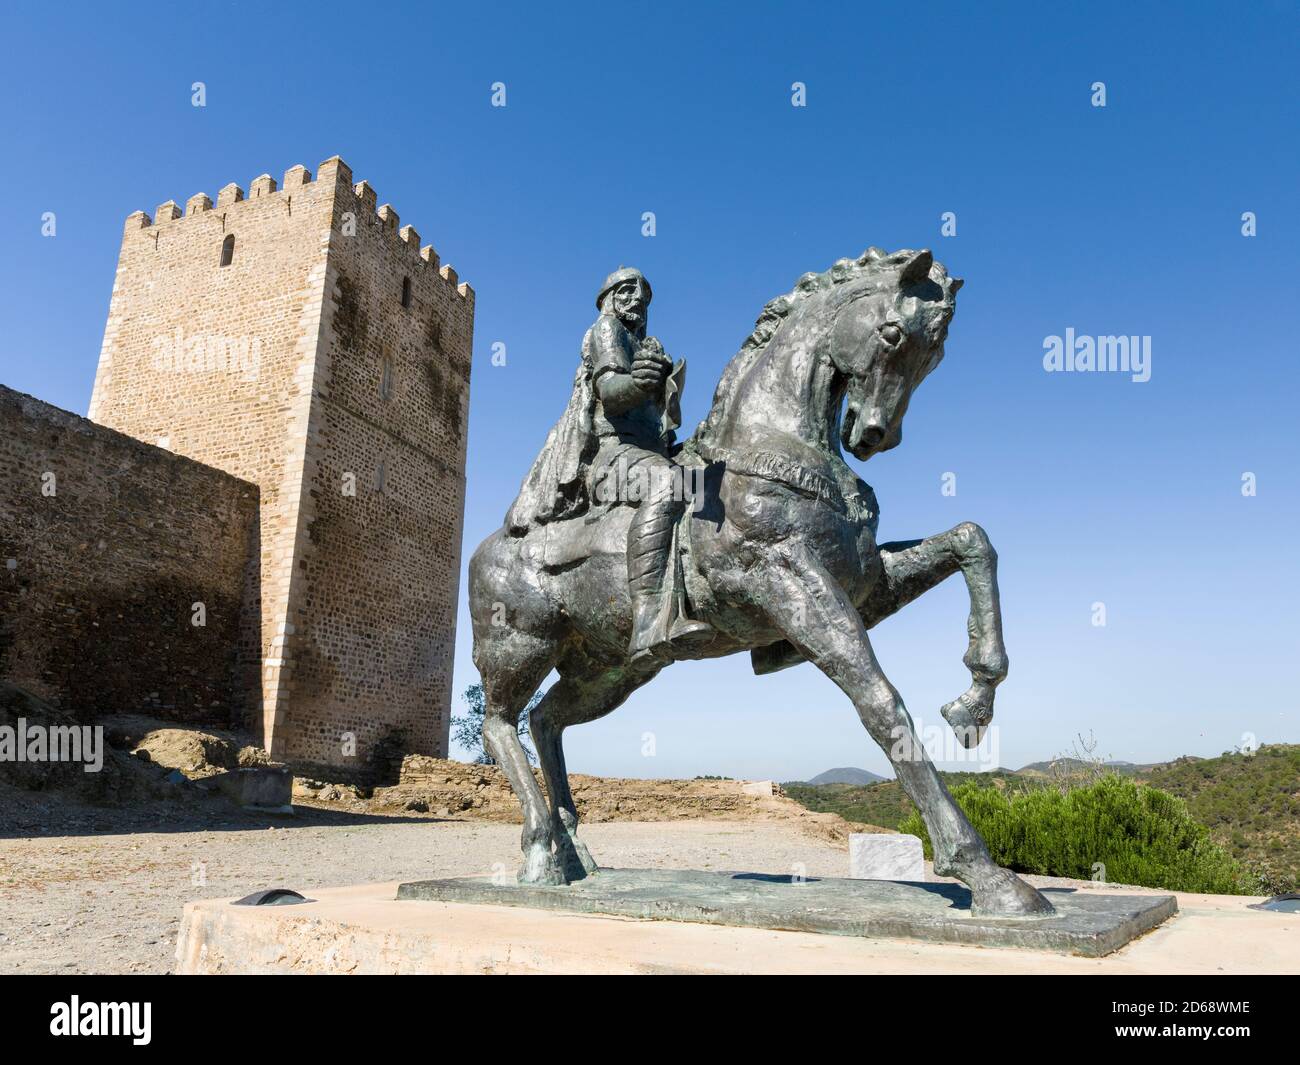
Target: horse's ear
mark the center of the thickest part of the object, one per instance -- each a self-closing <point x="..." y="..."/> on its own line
<point x="916" y="269"/>
<point x="955" y="284"/>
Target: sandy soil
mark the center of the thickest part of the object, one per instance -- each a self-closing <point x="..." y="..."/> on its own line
<point x="110" y="901"/>
<point x="94" y="868"/>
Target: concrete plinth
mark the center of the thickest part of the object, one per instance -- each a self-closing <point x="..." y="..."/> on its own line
<point x="365" y="929"/>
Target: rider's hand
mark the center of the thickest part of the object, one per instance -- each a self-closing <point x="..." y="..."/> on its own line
<point x="650" y="366"/>
<point x="649" y="372"/>
<point x="649" y="375"/>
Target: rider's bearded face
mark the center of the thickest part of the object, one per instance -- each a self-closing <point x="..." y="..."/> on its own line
<point x="631" y="303"/>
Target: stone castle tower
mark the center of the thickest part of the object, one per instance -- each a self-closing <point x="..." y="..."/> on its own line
<point x="297" y="338"/>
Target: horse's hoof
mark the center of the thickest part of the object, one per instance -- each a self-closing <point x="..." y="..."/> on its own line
<point x="576" y="859"/>
<point x="585" y="860"/>
<point x="541" y="867"/>
<point x="575" y="870"/>
<point x="969" y="715"/>
<point x="1006" y="895"/>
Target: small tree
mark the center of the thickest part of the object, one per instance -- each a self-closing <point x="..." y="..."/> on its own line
<point x="467" y="729"/>
<point x="1079" y="767"/>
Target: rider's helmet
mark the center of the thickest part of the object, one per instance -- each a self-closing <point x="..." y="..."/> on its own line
<point x="623" y="273"/>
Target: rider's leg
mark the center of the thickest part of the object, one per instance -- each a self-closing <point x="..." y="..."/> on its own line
<point x="649" y="554"/>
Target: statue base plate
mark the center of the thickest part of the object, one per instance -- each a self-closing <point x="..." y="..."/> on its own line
<point x="1084" y="924"/>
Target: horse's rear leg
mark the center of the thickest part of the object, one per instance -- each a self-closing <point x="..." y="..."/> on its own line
<point x="575" y="700"/>
<point x="815" y="615"/>
<point x="518" y="664"/>
<point x="915" y="567"/>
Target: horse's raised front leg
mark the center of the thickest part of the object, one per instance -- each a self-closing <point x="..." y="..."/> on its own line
<point x="815" y="615"/>
<point x="916" y="566"/>
<point x="575" y="699"/>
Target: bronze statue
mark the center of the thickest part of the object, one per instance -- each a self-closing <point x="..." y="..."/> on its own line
<point x="618" y="434"/>
<point x="754" y="535"/>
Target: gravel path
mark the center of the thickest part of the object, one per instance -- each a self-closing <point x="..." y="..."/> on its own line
<point x="108" y="898"/>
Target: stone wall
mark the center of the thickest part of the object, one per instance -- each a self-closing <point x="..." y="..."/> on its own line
<point x="107" y="544"/>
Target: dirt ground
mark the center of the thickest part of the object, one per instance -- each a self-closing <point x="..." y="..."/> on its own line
<point x="94" y="899"/>
<point x="95" y="867"/>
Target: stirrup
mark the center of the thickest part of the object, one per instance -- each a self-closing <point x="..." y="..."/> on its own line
<point x="688" y="633"/>
<point x="655" y="654"/>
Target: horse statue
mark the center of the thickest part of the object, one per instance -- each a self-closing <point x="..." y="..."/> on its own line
<point x="776" y="555"/>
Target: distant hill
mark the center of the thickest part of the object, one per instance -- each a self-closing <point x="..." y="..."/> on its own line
<point x="884" y="803"/>
<point x="845" y="775"/>
<point x="1076" y="765"/>
<point x="1249" y="802"/>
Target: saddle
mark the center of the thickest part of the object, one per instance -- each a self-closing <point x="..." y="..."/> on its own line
<point x="602" y="527"/>
<point x="600" y="531"/>
<point x="603" y="531"/>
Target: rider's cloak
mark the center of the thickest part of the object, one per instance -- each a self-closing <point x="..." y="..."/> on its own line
<point x="556" y="486"/>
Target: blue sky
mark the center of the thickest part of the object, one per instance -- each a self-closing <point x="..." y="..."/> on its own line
<point x="1117" y="220"/>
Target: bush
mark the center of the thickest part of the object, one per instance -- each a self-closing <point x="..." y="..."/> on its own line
<point x="1141" y="835"/>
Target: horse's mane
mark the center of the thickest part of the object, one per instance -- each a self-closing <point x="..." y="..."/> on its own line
<point x="776" y="311"/>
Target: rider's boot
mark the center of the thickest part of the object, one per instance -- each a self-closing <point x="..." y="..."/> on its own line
<point x="655" y="630"/>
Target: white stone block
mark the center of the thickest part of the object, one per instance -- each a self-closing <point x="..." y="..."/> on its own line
<point x="885" y="856"/>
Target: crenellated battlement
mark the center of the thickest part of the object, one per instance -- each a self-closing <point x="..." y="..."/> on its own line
<point x="385" y="218"/>
<point x="232" y="199"/>
<point x="230" y="195"/>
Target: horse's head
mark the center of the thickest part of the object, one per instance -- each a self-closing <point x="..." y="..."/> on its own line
<point x="860" y="335"/>
<point x="891" y="315"/>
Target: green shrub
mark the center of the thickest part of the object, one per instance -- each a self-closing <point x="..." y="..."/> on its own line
<point x="1141" y="835"/>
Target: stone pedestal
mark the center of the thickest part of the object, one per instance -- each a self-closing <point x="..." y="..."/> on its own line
<point x="885" y="856"/>
<point x="366" y="929"/>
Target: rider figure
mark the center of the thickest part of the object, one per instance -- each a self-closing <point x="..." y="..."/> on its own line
<point x="629" y="372"/>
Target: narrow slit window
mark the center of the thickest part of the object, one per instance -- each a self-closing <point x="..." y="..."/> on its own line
<point x="228" y="250"/>
<point x="406" y="292"/>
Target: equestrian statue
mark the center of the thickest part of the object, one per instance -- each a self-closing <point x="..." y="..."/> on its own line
<point x="626" y="550"/>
